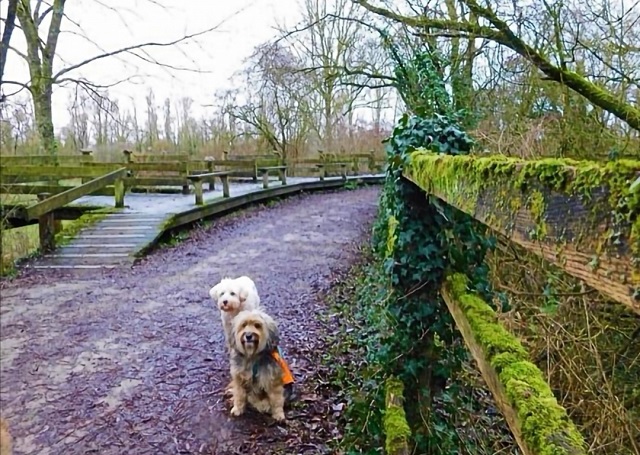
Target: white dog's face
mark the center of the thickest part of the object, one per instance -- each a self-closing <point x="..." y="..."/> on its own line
<point x="228" y="295"/>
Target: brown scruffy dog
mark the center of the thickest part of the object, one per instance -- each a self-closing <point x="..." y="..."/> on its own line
<point x="5" y="438"/>
<point x="256" y="375"/>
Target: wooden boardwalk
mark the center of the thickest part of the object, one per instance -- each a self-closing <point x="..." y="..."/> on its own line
<point x="116" y="240"/>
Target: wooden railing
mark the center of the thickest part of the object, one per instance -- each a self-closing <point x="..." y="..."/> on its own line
<point x="44" y="209"/>
<point x="581" y="216"/>
<point x="59" y="181"/>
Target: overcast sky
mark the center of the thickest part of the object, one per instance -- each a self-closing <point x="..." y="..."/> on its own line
<point x="243" y="25"/>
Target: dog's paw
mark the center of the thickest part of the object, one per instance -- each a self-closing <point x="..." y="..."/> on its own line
<point x="278" y="416"/>
<point x="236" y="411"/>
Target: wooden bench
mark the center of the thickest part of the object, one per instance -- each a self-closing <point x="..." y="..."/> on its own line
<point x="323" y="169"/>
<point x="282" y="174"/>
<point x="209" y="177"/>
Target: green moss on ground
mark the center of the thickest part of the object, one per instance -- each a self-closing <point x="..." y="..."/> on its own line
<point x="546" y="427"/>
<point x="72" y="229"/>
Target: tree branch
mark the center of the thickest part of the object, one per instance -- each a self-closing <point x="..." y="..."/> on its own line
<point x="128" y="49"/>
<point x="502" y="34"/>
<point x="9" y="25"/>
<point x="52" y="37"/>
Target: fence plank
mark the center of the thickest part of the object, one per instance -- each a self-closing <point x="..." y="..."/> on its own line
<point x="580" y="216"/>
<point x="539" y="424"/>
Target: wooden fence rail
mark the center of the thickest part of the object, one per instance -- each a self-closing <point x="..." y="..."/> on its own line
<point x="538" y="423"/>
<point x="580" y="216"/>
<point x="44" y="209"/>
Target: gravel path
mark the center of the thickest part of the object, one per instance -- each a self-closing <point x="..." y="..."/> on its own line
<point x="131" y="362"/>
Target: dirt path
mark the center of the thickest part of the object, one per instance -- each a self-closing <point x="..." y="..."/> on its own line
<point x="132" y="362"/>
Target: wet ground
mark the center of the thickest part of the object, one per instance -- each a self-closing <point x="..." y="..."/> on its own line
<point x="131" y="361"/>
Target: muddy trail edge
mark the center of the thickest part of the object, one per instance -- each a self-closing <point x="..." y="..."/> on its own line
<point x="132" y="361"/>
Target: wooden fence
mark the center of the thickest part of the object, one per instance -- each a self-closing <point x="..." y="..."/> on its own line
<point x="582" y="217"/>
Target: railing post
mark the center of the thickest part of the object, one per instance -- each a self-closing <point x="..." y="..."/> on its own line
<point x="197" y="185"/>
<point x="265" y="179"/>
<point x="212" y="185"/>
<point x="255" y="171"/>
<point x="185" y="165"/>
<point x="128" y="156"/>
<point x="282" y="174"/>
<point x="87" y="157"/>
<point x="47" y="228"/>
<point x="118" y="191"/>
<point x="225" y="185"/>
<point x="372" y="161"/>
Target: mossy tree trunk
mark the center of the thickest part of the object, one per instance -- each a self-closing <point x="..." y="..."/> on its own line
<point x="44" y="117"/>
<point x="40" y="57"/>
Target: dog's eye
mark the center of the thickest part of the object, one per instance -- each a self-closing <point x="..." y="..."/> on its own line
<point x="258" y="326"/>
<point x="232" y="293"/>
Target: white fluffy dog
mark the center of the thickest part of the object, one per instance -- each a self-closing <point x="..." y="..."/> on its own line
<point x="233" y="296"/>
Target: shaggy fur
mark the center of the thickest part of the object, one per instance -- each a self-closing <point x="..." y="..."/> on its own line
<point x="256" y="377"/>
<point x="5" y="438"/>
<point x="232" y="296"/>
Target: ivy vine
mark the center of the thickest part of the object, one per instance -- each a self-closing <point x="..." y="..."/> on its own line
<point x="417" y="240"/>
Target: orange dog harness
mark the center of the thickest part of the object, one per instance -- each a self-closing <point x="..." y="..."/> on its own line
<point x="287" y="376"/>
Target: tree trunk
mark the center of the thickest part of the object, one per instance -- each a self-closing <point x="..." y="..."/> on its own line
<point x="44" y="117"/>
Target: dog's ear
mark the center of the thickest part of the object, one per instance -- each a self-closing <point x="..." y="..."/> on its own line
<point x="243" y="293"/>
<point x="273" y="334"/>
<point x="214" y="292"/>
<point x="232" y="338"/>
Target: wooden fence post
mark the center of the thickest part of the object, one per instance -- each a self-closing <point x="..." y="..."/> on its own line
<point x="119" y="190"/>
<point x="185" y="164"/>
<point x="47" y="228"/>
<point x="87" y="157"/>
<point x="197" y="185"/>
<point x="225" y="185"/>
<point x="128" y="156"/>
<point x="212" y="185"/>
<point x="282" y="175"/>
<point x="372" y="161"/>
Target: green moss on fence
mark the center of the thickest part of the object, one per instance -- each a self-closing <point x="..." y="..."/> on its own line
<point x="512" y="182"/>
<point x="396" y="428"/>
<point x="545" y="425"/>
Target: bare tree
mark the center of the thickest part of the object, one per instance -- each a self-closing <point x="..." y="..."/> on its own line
<point x="168" y="120"/>
<point x="9" y="25"/>
<point x="153" y="134"/>
<point x="275" y="102"/>
<point x="41" y="53"/>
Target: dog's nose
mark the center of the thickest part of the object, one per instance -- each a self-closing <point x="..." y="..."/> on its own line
<point x="249" y="337"/>
<point x="225" y="301"/>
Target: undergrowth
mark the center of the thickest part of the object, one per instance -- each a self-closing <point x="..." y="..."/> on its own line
<point x="587" y="345"/>
<point x="475" y="427"/>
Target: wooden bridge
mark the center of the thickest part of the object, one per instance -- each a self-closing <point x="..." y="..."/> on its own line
<point x="128" y="206"/>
